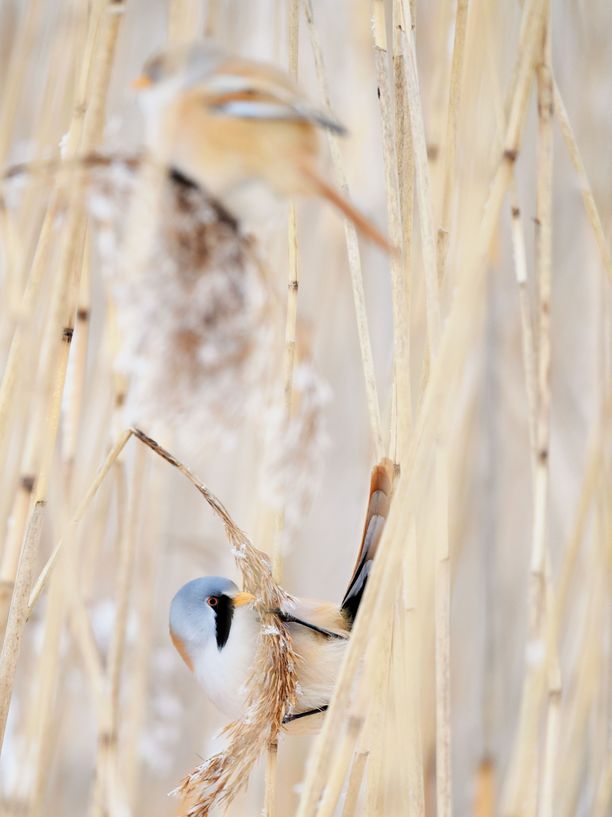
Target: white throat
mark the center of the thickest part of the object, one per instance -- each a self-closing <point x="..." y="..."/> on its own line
<point x="224" y="672"/>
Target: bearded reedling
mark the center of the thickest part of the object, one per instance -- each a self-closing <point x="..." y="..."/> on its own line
<point x="234" y="125"/>
<point x="216" y="629"/>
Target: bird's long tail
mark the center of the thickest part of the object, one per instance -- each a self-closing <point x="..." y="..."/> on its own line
<point x="335" y="197"/>
<point x="381" y="490"/>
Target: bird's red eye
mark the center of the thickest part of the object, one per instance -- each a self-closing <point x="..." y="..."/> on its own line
<point x="212" y="601"/>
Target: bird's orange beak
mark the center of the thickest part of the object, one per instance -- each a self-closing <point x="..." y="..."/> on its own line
<point x="141" y="82"/>
<point x="243" y="598"/>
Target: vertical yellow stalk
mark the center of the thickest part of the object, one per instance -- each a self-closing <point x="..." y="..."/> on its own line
<point x="442" y="575"/>
<point x="352" y="248"/>
<point x="450" y="140"/>
<point x="540" y="569"/>
<point x="42" y="437"/>
<point x="288" y="369"/>
<point x="453" y="345"/>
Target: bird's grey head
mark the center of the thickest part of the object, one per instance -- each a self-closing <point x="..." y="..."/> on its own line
<point x="201" y="613"/>
<point x="182" y="66"/>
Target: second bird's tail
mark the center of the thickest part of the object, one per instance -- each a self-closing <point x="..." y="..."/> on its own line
<point x="381" y="489"/>
<point x="361" y="222"/>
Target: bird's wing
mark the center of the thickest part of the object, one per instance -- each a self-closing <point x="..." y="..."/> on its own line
<point x="381" y="489"/>
<point x="248" y="91"/>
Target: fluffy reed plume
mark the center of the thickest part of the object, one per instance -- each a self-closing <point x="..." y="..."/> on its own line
<point x="296" y="440"/>
<point x="194" y="321"/>
<point x="271" y="685"/>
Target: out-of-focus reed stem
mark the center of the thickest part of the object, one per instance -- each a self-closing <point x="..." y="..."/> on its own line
<point x="590" y="206"/>
<point x="78" y="515"/>
<point x="352" y="248"/>
<point x="541" y="555"/>
<point x="293" y="30"/>
<point x="450" y="139"/>
<point x="432" y="298"/>
<point x="527" y="339"/>
<point x="23" y="45"/>
<point x="354" y="783"/>
<point x="454" y="340"/>
<point x="183" y="21"/>
<point x="58" y="334"/>
<point x="399" y="268"/>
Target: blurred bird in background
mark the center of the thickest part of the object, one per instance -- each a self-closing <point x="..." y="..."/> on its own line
<point x="216" y="629"/>
<point x="230" y="125"/>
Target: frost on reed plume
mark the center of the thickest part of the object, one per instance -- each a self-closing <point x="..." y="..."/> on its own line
<point x="194" y="321"/>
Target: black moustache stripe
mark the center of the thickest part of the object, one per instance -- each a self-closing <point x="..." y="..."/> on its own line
<point x="224" y="612"/>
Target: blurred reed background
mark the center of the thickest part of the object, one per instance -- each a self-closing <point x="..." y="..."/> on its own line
<point x="480" y="362"/>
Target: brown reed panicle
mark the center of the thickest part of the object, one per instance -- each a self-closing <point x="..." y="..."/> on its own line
<point x="272" y="684"/>
<point x="195" y="320"/>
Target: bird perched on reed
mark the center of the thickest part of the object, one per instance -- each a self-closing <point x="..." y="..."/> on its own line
<point x="216" y="629"/>
<point x="230" y="124"/>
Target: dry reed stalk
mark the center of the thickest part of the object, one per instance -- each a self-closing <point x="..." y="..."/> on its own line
<point x="346" y="752"/>
<point x="58" y="334"/>
<point x="77" y="366"/>
<point x="402" y="299"/>
<point x="41" y="735"/>
<point x="358" y="768"/>
<point x="211" y="25"/>
<point x="57" y="608"/>
<point x="589" y="674"/>
<point x="352" y="248"/>
<point x="520" y="785"/>
<point x="24" y="44"/>
<point x="592" y="478"/>
<point x="43" y="576"/>
<point x="11" y="248"/>
<point x="80" y="627"/>
<point x="590" y="206"/>
<point x="397" y="232"/>
<point x="74" y="138"/>
<point x="378" y="676"/>
<point x="603" y="798"/>
<point x="148" y="572"/>
<point x="100" y="798"/>
<point x="432" y="298"/>
<point x="288" y="369"/>
<point x="541" y="555"/>
<point x="373" y="607"/>
<point x="271" y="688"/>
<point x="17" y="612"/>
<point x="452" y="126"/>
<point x="108" y="738"/>
<point x="454" y="341"/>
<point x="410" y="652"/>
<point x="556" y="613"/>
<point x="292" y="290"/>
<point x="399" y="188"/>
<point x="422" y="186"/>
<point x="183" y="21"/>
<point x="527" y="339"/>
<point x="407" y="642"/>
